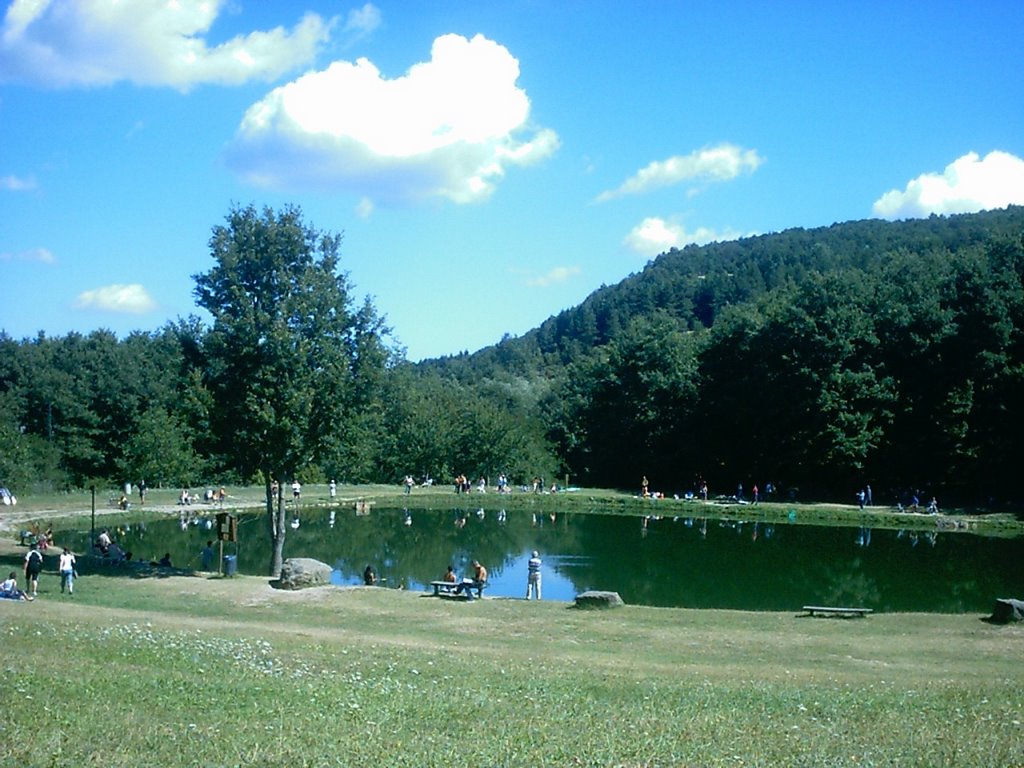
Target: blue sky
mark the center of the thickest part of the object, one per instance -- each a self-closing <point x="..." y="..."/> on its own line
<point x="489" y="163"/>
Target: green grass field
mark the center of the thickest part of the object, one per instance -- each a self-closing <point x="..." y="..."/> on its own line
<point x="193" y="671"/>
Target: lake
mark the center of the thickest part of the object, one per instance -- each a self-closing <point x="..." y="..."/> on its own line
<point x="681" y="561"/>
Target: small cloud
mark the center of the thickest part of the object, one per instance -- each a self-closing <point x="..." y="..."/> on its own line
<point x="365" y="208"/>
<point x="721" y="163"/>
<point x="16" y="183"/>
<point x="448" y="128"/>
<point x="127" y="299"/>
<point x="65" y="43"/>
<point x="655" y="235"/>
<point x="38" y="255"/>
<point x="556" y="275"/>
<point x="969" y="184"/>
<point x="360" y="22"/>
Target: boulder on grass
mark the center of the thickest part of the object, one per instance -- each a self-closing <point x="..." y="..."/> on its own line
<point x="1007" y="610"/>
<point x="303" y="572"/>
<point x="598" y="599"/>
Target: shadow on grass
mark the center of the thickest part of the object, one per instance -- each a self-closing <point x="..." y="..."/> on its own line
<point x="88" y="565"/>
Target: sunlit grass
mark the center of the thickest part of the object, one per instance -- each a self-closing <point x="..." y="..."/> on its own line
<point x="226" y="672"/>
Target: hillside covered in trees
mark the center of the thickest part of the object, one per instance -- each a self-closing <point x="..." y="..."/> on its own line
<point x="822" y="359"/>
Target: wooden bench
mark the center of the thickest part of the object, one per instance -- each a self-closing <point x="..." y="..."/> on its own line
<point x="825" y="610"/>
<point x="455" y="589"/>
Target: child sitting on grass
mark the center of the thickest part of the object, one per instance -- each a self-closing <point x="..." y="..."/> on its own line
<point x="9" y="589"/>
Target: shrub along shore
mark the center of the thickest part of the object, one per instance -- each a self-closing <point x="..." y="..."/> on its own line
<point x="192" y="670"/>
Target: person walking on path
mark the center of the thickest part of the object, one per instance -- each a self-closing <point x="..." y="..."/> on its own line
<point x="33" y="567"/>
<point x="67" y="571"/>
<point x="533" y="575"/>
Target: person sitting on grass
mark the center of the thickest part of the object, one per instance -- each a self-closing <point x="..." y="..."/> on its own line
<point x="369" y="576"/>
<point x="9" y="589"/>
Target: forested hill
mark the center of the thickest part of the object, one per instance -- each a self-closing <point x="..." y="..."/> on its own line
<point x="868" y="352"/>
<point x="694" y="284"/>
<point x="824" y="360"/>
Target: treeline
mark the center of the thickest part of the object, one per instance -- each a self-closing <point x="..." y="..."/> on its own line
<point x="869" y="352"/>
<point x="92" y="409"/>
<point x="873" y="353"/>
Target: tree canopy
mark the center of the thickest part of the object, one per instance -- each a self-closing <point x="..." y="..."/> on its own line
<point x="882" y="353"/>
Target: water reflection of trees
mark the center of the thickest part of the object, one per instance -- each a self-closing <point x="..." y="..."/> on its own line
<point x="654" y="560"/>
<point x="416" y="546"/>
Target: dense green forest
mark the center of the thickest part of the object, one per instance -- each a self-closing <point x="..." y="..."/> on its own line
<point x="821" y="360"/>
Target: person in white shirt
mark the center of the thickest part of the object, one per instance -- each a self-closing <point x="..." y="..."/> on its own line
<point x="67" y="571"/>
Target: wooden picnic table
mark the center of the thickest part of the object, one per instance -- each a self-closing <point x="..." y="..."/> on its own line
<point x="456" y="588"/>
<point x="826" y="610"/>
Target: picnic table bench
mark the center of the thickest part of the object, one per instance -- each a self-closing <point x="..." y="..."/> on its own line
<point x="456" y="589"/>
<point x="825" y="610"/>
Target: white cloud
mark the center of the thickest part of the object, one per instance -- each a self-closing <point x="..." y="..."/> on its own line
<point x="360" y="22"/>
<point x="364" y="209"/>
<point x="655" y="235"/>
<point x="556" y="275"/>
<point x="448" y="128"/>
<point x="128" y="299"/>
<point x="97" y="42"/>
<point x="39" y="255"/>
<point x="969" y="184"/>
<point x="721" y="163"/>
<point x="16" y="183"/>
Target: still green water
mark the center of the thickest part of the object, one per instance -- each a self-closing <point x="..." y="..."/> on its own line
<point x="669" y="561"/>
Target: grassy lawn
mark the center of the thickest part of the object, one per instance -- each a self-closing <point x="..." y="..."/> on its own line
<point x="193" y="671"/>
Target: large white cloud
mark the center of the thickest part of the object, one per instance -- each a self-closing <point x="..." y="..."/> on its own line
<point x="969" y="184"/>
<point x="132" y="299"/>
<point x="655" y="235"/>
<point x="448" y="127"/>
<point x="98" y="42"/>
<point x="719" y="163"/>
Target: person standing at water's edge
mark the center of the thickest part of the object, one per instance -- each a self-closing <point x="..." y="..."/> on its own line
<point x="533" y="575"/>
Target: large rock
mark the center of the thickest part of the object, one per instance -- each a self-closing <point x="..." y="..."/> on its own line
<point x="302" y="572"/>
<point x="598" y="599"/>
<point x="1007" y="610"/>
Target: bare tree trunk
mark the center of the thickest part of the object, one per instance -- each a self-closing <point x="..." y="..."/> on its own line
<point x="277" y="518"/>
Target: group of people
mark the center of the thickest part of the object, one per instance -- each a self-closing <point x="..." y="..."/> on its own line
<point x="479" y="579"/>
<point x="466" y="586"/>
<point x="210" y="496"/>
<point x="33" y="567"/>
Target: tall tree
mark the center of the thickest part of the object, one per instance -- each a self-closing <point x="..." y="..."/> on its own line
<point x="285" y="348"/>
